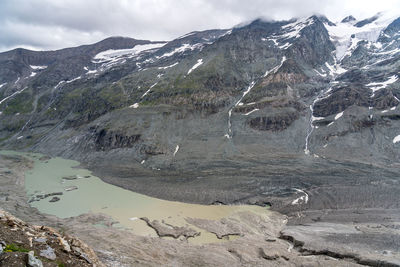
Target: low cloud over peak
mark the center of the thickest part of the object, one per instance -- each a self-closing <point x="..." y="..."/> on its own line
<point x="49" y="24"/>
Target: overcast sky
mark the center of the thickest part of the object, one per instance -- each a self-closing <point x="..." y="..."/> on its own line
<point x="54" y="24"/>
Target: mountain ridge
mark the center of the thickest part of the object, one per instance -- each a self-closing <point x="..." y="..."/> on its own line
<point x="276" y="88"/>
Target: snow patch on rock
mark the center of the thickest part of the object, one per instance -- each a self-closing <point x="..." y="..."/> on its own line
<point x="339" y="115"/>
<point x="176" y="150"/>
<point x="300" y="200"/>
<point x="375" y="86"/>
<point x="169" y="66"/>
<point x="181" y="49"/>
<point x="149" y="90"/>
<point x="136" y="105"/>
<point x="112" y="54"/>
<point x="254" y="110"/>
<point x="38" y="67"/>
<point x="195" y="66"/>
<point x="13" y="94"/>
<point x="275" y="69"/>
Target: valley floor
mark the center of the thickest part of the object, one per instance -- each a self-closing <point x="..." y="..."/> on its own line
<point x="343" y="237"/>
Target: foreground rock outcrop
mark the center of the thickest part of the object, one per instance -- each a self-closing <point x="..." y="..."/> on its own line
<point x="23" y="244"/>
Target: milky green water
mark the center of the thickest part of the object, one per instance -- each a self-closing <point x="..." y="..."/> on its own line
<point x="94" y="195"/>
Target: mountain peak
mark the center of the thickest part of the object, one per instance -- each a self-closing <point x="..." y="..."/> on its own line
<point x="348" y="19"/>
<point x="325" y="20"/>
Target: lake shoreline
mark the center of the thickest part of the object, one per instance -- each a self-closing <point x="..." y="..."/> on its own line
<point x="253" y="249"/>
<point x="55" y="186"/>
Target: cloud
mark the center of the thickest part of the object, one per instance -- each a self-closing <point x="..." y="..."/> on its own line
<point x="53" y="24"/>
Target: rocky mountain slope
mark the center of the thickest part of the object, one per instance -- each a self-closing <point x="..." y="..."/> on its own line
<point x="252" y="112"/>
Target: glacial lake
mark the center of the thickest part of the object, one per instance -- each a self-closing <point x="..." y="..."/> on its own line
<point x="126" y="207"/>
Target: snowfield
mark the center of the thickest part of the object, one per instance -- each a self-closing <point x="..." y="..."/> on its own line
<point x="113" y="54"/>
<point x="345" y="35"/>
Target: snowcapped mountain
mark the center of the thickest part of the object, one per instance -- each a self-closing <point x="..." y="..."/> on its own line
<point x="349" y="32"/>
<point x="307" y="89"/>
<point x="313" y="52"/>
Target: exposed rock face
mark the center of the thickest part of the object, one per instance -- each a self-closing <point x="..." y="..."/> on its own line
<point x="106" y="140"/>
<point x="366" y="21"/>
<point x="340" y="100"/>
<point x="348" y="19"/>
<point x="279" y="122"/>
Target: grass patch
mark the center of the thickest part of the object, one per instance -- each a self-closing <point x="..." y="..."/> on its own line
<point x="21" y="103"/>
<point x="13" y="126"/>
<point x="148" y="103"/>
<point x="15" y="248"/>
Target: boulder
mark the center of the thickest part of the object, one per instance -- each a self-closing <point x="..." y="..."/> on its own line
<point x="269" y="254"/>
<point x="48" y="253"/>
<point x="2" y="246"/>
<point x="54" y="199"/>
<point x="32" y="261"/>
